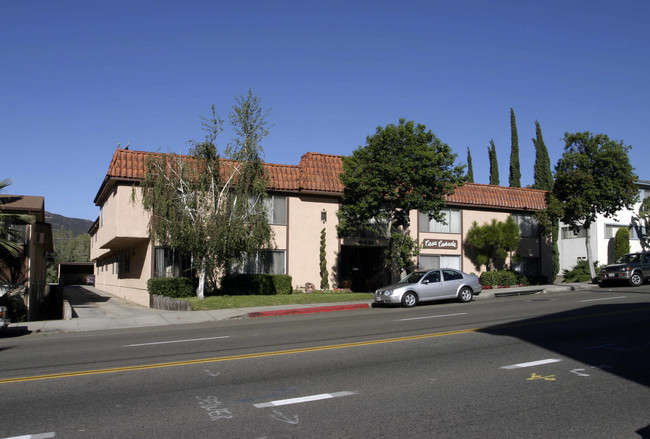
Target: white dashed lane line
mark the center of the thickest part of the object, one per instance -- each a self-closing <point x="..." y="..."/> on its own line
<point x="303" y="399"/>
<point x="175" y="341"/>
<point x="433" y="317"/>
<point x="531" y="363"/>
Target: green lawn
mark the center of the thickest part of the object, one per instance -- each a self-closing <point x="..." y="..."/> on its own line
<point x="224" y="302"/>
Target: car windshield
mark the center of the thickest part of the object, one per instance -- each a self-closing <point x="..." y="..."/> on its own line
<point x="632" y="257"/>
<point x="413" y="277"/>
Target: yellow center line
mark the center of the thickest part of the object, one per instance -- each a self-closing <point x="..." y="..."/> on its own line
<point x="230" y="358"/>
<point x="314" y="349"/>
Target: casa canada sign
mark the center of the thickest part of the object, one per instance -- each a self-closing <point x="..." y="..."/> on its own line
<point x="440" y="243"/>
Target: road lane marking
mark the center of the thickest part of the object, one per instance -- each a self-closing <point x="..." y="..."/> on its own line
<point x="303" y="399"/>
<point x="319" y="348"/>
<point x="174" y="341"/>
<point x="531" y="363"/>
<point x="603" y="298"/>
<point x="34" y="436"/>
<point x="235" y="357"/>
<point x="433" y="317"/>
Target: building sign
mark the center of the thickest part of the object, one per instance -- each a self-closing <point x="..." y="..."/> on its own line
<point x="440" y="243"/>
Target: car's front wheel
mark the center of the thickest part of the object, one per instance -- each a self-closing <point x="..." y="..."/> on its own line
<point x="409" y="300"/>
<point x="465" y="295"/>
<point x="636" y="279"/>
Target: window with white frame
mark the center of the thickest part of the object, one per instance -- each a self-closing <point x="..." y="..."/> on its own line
<point x="569" y="233"/>
<point x="528" y="225"/>
<point x="263" y="262"/>
<point x="276" y="209"/>
<point x="611" y="229"/>
<point x="451" y="223"/>
<point x="428" y="262"/>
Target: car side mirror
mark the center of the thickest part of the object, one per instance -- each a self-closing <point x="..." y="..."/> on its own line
<point x="425" y="282"/>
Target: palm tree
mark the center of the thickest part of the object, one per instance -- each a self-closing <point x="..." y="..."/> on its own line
<point x="6" y="219"/>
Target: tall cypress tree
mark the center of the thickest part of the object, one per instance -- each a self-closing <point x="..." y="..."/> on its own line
<point x="494" y="165"/>
<point x="470" y="170"/>
<point x="515" y="171"/>
<point x="543" y="174"/>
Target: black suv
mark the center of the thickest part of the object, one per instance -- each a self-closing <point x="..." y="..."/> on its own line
<point x="633" y="267"/>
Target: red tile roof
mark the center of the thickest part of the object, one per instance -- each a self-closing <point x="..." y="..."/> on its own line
<point x="320" y="173"/>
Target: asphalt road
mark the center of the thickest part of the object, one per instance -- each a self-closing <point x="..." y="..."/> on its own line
<point x="547" y="366"/>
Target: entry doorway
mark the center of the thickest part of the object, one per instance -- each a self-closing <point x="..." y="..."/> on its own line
<point x="362" y="268"/>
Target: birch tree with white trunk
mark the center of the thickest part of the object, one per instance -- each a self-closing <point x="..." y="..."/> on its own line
<point x="210" y="205"/>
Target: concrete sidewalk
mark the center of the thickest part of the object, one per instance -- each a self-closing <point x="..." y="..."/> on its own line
<point x="93" y="310"/>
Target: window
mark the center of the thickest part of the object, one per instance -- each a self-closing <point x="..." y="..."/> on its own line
<point x="638" y="232"/>
<point x="451" y="275"/>
<point x="528" y="225"/>
<point x="101" y="216"/>
<point x="439" y="261"/>
<point x="263" y="262"/>
<point x="276" y="209"/>
<point x="123" y="265"/>
<point x="569" y="233"/>
<point x="169" y="262"/>
<point x="18" y="233"/>
<point x="611" y="229"/>
<point x="432" y="277"/>
<point x="451" y="218"/>
<point x="527" y="266"/>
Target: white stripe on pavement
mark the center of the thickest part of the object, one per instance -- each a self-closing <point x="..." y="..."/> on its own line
<point x="433" y="317"/>
<point x="604" y="298"/>
<point x="175" y="341"/>
<point x="303" y="399"/>
<point x="34" y="436"/>
<point x="532" y="363"/>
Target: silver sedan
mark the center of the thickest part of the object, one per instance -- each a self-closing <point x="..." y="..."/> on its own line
<point x="426" y="285"/>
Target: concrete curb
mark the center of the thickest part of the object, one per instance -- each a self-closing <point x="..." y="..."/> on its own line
<point x="286" y="312"/>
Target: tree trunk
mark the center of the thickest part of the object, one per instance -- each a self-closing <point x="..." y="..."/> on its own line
<point x="590" y="258"/>
<point x="200" y="289"/>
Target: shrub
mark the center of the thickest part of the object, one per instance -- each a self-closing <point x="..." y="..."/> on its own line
<point x="499" y="278"/>
<point x="580" y="272"/>
<point x="256" y="284"/>
<point x="621" y="242"/>
<point x="170" y="286"/>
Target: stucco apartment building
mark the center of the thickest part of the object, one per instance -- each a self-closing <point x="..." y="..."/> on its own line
<point x="28" y="269"/>
<point x="573" y="247"/>
<point x="303" y="200"/>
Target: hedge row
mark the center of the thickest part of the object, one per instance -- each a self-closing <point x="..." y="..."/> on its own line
<point x="256" y="284"/>
<point x="170" y="287"/>
<point x="499" y="278"/>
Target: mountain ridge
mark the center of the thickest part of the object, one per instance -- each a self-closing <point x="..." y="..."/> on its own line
<point x="77" y="226"/>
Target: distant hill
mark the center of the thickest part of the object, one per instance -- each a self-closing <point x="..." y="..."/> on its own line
<point x="77" y="226"/>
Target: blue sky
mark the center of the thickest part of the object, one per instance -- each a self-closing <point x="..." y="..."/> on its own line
<point x="77" y="78"/>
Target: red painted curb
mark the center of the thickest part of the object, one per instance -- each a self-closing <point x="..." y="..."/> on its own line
<point x="286" y="312"/>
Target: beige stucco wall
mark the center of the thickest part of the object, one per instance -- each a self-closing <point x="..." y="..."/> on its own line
<point x="131" y="286"/>
<point x="303" y="249"/>
<point x="123" y="230"/>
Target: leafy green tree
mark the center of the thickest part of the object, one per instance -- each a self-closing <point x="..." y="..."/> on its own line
<point x="401" y="168"/>
<point x="67" y="248"/>
<point x="208" y="207"/>
<point x="324" y="275"/>
<point x="10" y="237"/>
<point x="593" y="177"/>
<point x="515" y="169"/>
<point x="621" y="242"/>
<point x="470" y="169"/>
<point x="543" y="177"/>
<point x="490" y="243"/>
<point x="494" y="165"/>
